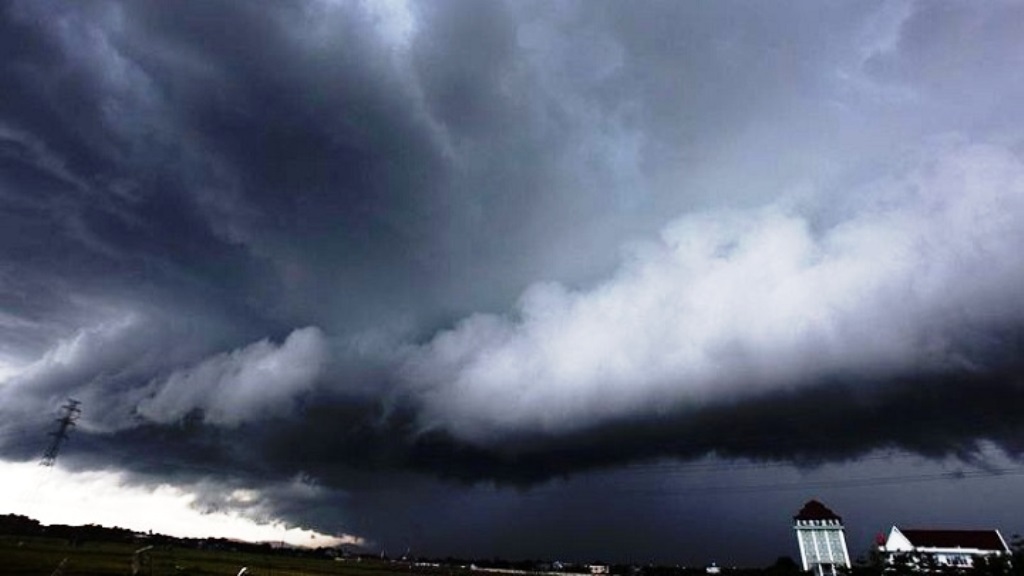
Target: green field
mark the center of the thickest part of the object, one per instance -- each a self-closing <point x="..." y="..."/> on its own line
<point x="41" y="556"/>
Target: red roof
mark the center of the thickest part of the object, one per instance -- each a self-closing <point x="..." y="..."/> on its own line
<point x="815" y="510"/>
<point x="980" y="539"/>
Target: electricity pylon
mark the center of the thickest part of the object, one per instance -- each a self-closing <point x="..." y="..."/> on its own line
<point x="64" y="424"/>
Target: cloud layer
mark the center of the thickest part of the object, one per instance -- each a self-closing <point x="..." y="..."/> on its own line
<point x="401" y="248"/>
<point x="734" y="305"/>
<point x="257" y="381"/>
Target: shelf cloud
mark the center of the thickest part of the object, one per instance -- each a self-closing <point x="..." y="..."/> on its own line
<point x="425" y="249"/>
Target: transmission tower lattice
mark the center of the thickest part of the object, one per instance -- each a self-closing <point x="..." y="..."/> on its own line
<point x="70" y="414"/>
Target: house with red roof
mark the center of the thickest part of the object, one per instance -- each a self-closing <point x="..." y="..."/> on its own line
<point x="942" y="549"/>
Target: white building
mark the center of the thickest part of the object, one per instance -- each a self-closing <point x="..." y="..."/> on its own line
<point x="939" y="549"/>
<point x="819" y="531"/>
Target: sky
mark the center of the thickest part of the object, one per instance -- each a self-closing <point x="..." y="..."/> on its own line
<point x="581" y="280"/>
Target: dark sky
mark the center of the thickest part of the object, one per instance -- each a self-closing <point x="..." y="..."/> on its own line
<point x="580" y="280"/>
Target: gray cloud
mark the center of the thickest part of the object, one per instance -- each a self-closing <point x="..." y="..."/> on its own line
<point x="732" y="305"/>
<point x="379" y="245"/>
<point x="253" y="381"/>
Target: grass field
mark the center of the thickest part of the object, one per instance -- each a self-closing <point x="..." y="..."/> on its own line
<point x="42" y="556"/>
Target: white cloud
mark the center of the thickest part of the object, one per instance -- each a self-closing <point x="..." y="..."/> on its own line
<point x="102" y="363"/>
<point x="9" y="367"/>
<point x="258" y="380"/>
<point x="80" y="365"/>
<point x="732" y="304"/>
<point x="56" y="496"/>
<point x="394" y="19"/>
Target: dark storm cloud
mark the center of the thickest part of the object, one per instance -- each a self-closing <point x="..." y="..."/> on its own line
<point x="348" y="446"/>
<point x="339" y="469"/>
<point x="324" y="248"/>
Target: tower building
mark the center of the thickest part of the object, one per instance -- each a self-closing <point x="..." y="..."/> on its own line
<point x="819" y="532"/>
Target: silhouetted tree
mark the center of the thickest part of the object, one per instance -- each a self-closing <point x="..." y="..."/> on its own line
<point x="783" y="566"/>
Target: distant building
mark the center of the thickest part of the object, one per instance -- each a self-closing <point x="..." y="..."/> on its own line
<point x="819" y="532"/>
<point x="941" y="549"/>
<point x="597" y="569"/>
